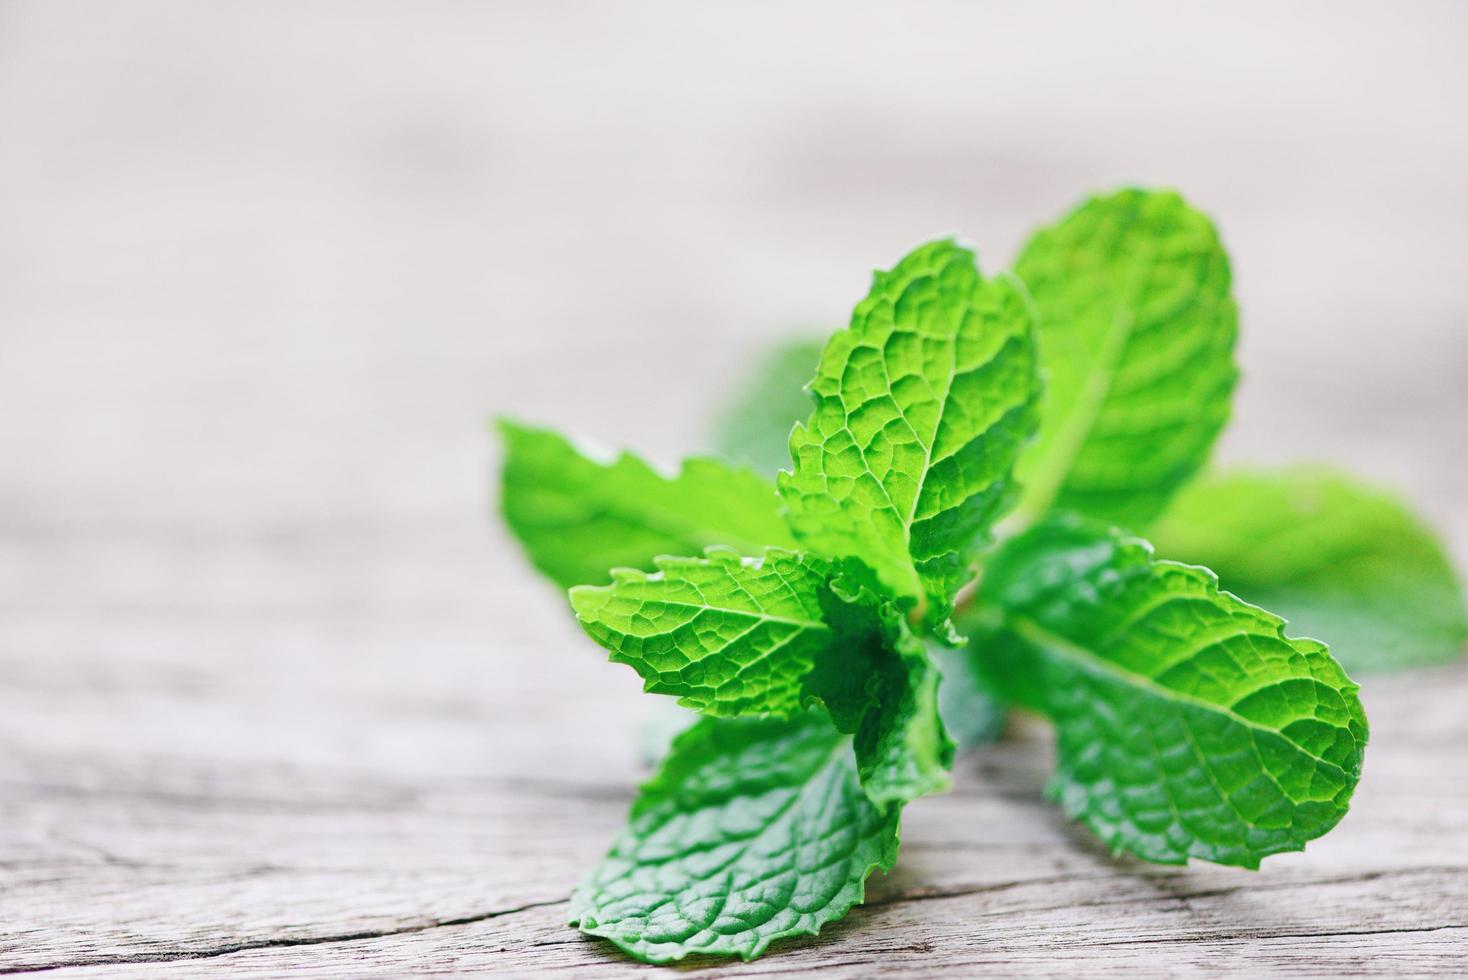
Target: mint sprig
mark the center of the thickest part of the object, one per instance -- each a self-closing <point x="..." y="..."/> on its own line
<point x="813" y="625"/>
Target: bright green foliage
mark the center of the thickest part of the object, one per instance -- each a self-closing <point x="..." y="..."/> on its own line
<point x="1135" y="334"/>
<point x="1188" y="724"/>
<point x="727" y="636"/>
<point x="731" y="636"/>
<point x="1341" y="561"/>
<point x="971" y="711"/>
<point x="754" y="429"/>
<point x="754" y="830"/>
<point x="578" y="518"/>
<point x="921" y="407"/>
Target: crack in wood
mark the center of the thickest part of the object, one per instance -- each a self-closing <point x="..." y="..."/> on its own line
<point x="935" y="894"/>
<point x="1255" y="936"/>
<point x="143" y="959"/>
<point x="938" y="894"/>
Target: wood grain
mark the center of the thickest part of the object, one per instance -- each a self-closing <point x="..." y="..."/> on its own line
<point x="230" y="854"/>
<point x="277" y="695"/>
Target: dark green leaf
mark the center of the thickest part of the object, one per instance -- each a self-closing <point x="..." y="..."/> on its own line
<point x="878" y="683"/>
<point x="754" y="830"/>
<point x="972" y="709"/>
<point x="1188" y="723"/>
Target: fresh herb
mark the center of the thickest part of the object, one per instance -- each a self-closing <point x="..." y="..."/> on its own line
<point x="1335" y="557"/>
<point x="754" y="829"/>
<point x="1188" y="724"/>
<point x="810" y="619"/>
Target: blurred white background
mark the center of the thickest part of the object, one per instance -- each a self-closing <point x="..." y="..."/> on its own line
<point x="266" y="269"/>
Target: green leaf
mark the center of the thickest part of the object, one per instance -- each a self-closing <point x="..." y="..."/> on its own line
<point x="754" y="428"/>
<point x="1188" y="724"/>
<point x="725" y="635"/>
<point x="903" y="751"/>
<point x="921" y="407"/>
<point x="664" y="721"/>
<point x="972" y="709"/>
<point x="578" y="517"/>
<point x="1135" y="333"/>
<point x="730" y="636"/>
<point x="754" y="830"/>
<point x="1340" y="560"/>
<point x="878" y="682"/>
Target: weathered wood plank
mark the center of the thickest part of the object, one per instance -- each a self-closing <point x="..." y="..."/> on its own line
<point x="159" y="865"/>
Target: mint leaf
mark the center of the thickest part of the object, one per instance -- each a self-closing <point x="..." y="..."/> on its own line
<point x="1188" y="724"/>
<point x="1340" y="560"/>
<point x="921" y="407"/>
<point x="733" y="636"/>
<point x="725" y="635"/>
<point x="578" y="517"/>
<point x="754" y="830"/>
<point x="754" y="428"/>
<point x="972" y="709"/>
<point x="903" y="750"/>
<point x="878" y="683"/>
<point x="1135" y="334"/>
<point x="664" y="721"/>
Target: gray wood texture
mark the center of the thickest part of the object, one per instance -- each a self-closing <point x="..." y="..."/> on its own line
<point x="278" y="696"/>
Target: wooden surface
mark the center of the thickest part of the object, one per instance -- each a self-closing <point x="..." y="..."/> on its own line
<point x="278" y="696"/>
